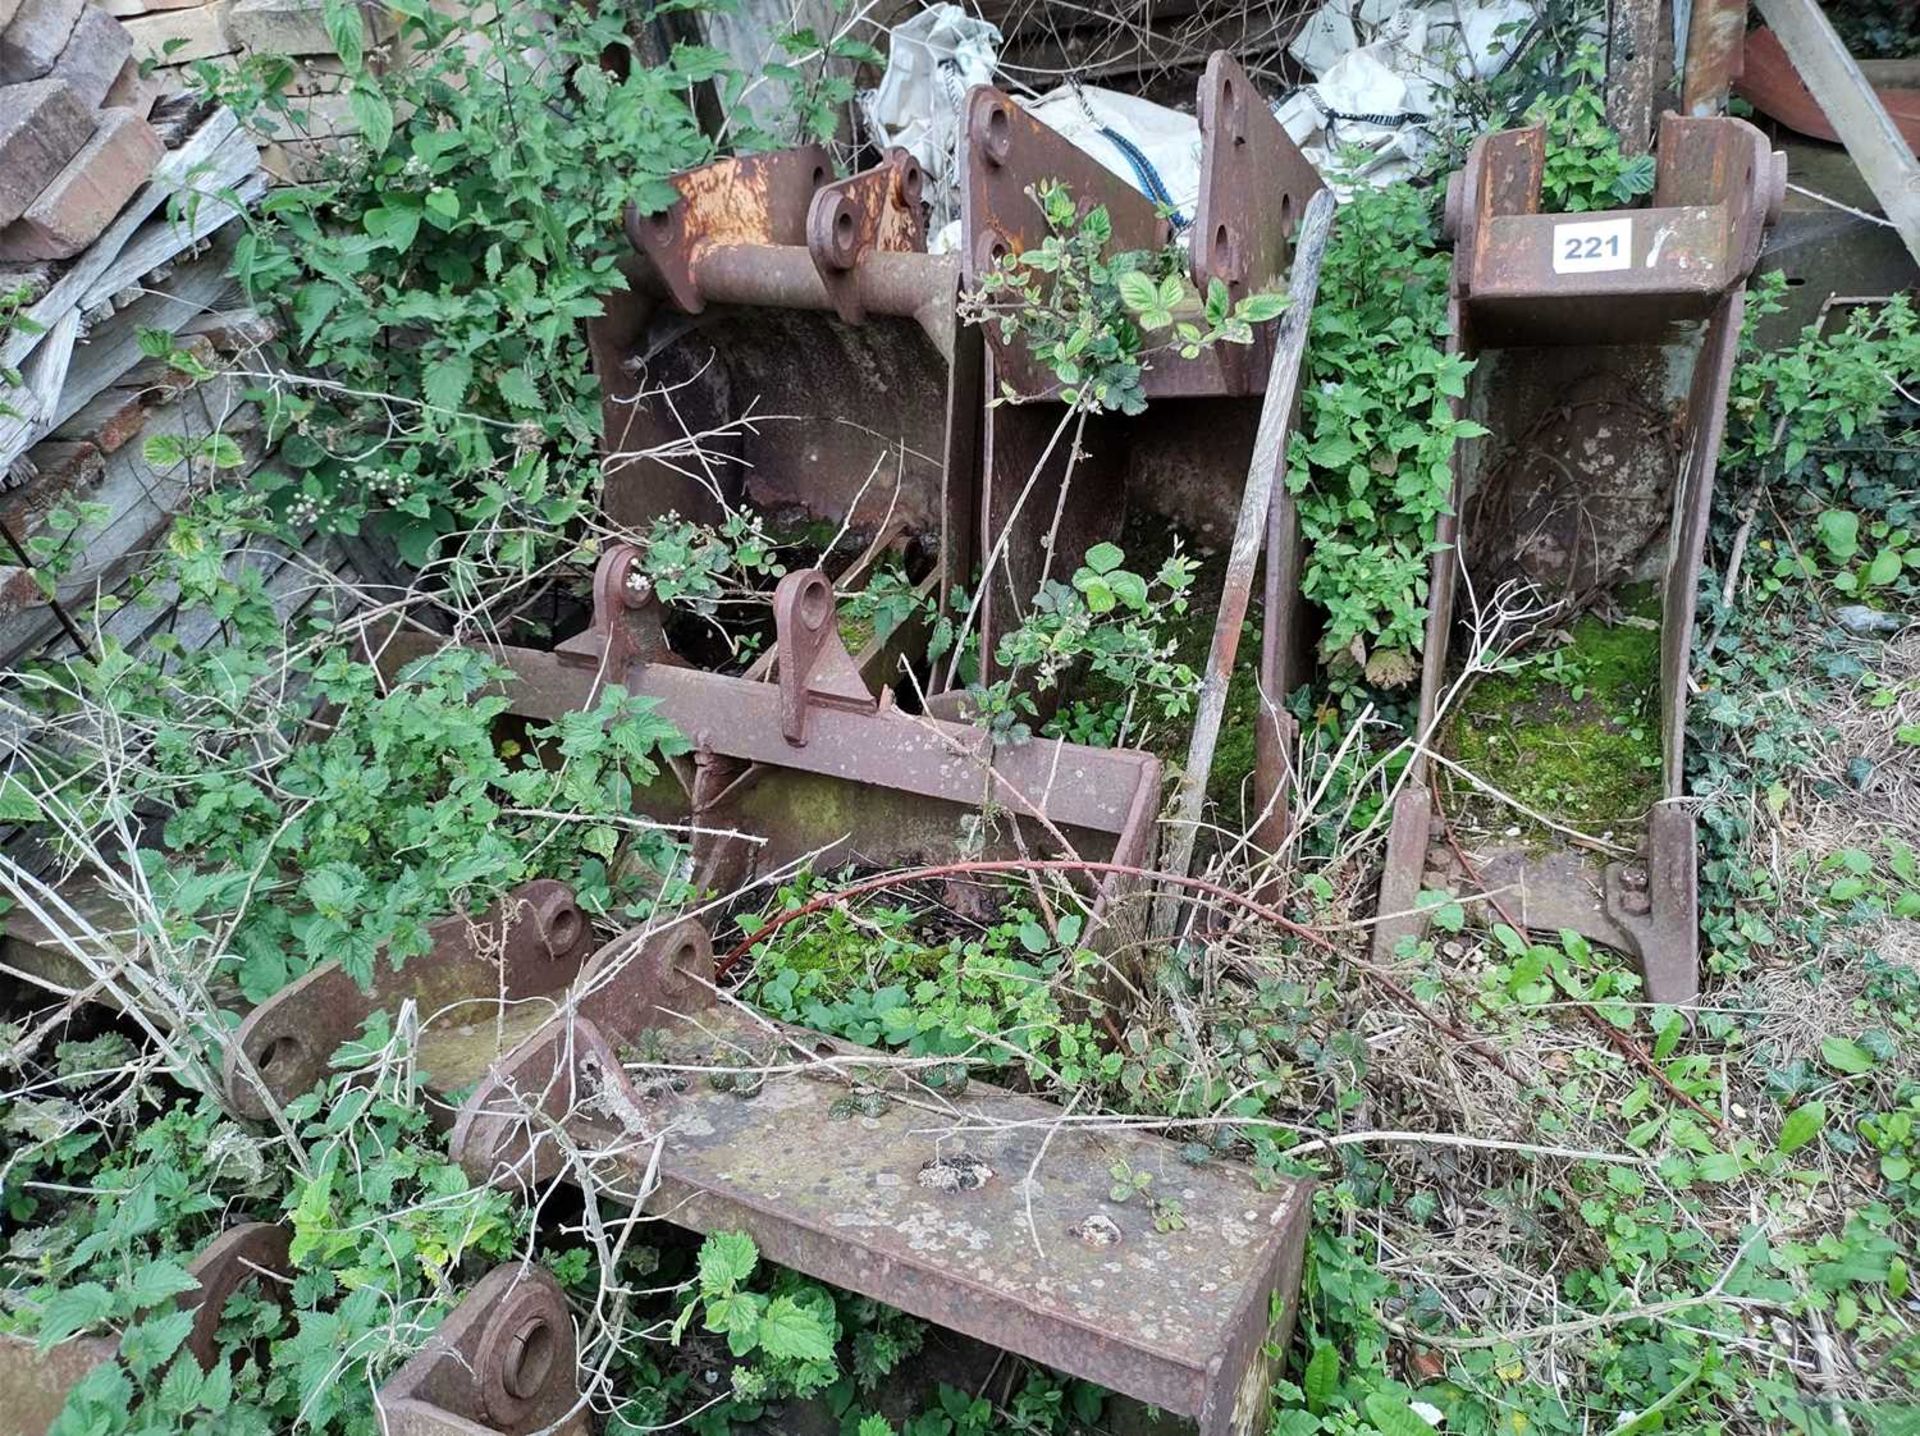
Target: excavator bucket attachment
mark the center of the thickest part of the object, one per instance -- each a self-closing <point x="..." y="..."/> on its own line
<point x="977" y="1209"/>
<point x="1599" y="337"/>
<point x="35" y="1384"/>
<point x="795" y="326"/>
<point x="815" y="765"/>
<point x="1048" y="495"/>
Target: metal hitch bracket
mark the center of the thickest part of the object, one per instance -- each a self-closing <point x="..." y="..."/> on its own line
<point x="35" y="1384"/>
<point x="528" y="945"/>
<point x="504" y="1363"/>
<point x="816" y="764"/>
<point x="1582" y="324"/>
<point x="802" y="316"/>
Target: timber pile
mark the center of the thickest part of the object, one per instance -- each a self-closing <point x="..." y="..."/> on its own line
<point x="177" y="35"/>
<point x="116" y="210"/>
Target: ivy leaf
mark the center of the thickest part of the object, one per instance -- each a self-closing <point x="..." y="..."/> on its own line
<point x="1843" y="1054"/>
<point x="795" y="1332"/>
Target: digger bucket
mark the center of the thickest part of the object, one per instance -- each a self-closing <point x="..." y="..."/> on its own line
<point x="817" y="765"/>
<point x="35" y="1384"/>
<point x="1597" y="336"/>
<point x="1045" y="500"/>
<point x="797" y="322"/>
<point x="970" y="1207"/>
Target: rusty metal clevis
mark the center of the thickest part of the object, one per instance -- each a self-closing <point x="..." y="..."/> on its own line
<point x="35" y="1384"/>
<point x="1597" y="336"/>
<point x="975" y="1208"/>
<point x="505" y="1362"/>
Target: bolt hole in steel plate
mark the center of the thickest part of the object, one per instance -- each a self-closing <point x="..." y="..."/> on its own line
<point x="284" y="1058"/>
<point x="529" y="1359"/>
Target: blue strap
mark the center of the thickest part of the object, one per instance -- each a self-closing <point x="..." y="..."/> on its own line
<point x="1145" y="175"/>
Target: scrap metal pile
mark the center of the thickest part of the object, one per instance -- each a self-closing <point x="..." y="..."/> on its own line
<point x="773" y="287"/>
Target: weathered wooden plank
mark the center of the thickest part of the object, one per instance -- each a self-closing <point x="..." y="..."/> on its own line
<point x="1854" y="110"/>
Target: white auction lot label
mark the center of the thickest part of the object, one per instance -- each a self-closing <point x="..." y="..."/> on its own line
<point x="1592" y="247"/>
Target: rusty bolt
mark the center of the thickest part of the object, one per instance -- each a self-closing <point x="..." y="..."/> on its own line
<point x="1634" y="878"/>
<point x="1637" y="903"/>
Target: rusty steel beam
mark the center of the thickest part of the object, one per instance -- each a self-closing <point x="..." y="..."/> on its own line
<point x="505" y="1362"/>
<point x="1597" y="294"/>
<point x="35" y="1384"/>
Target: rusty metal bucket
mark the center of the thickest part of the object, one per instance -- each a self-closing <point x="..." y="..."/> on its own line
<point x="816" y="764"/>
<point x="1185" y="458"/>
<point x="799" y="321"/>
<point x="769" y="289"/>
<point x="1592" y="312"/>
<point x="35" y="1384"/>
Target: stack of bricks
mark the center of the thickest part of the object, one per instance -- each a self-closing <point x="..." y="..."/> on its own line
<point x="173" y="35"/>
<point x="74" y="139"/>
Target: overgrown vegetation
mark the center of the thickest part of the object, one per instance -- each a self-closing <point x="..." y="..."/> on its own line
<point x="1544" y="1205"/>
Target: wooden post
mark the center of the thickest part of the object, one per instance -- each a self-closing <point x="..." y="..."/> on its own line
<point x="1264" y="472"/>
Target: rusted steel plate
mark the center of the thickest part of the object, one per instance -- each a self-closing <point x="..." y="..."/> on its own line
<point x="35" y="1384"/>
<point x="1675" y="273"/>
<point x="1615" y="275"/>
<point x="505" y="1361"/>
<point x="1769" y="81"/>
<point x="528" y="944"/>
<point x="985" y="1212"/>
<point x="751" y="199"/>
